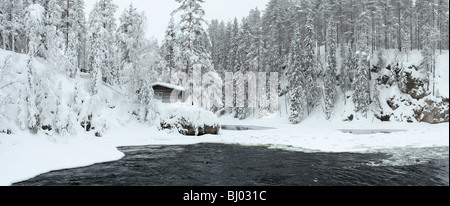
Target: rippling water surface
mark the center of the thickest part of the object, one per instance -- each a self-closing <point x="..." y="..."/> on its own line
<point x="233" y="165"/>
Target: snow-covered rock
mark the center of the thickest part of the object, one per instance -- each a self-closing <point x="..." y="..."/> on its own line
<point x="188" y="120"/>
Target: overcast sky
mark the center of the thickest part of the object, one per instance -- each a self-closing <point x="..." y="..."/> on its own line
<point x="158" y="11"/>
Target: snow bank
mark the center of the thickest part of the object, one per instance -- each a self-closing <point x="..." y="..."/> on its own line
<point x="442" y="75"/>
<point x="24" y="156"/>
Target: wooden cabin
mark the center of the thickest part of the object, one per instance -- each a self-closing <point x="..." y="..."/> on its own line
<point x="162" y="92"/>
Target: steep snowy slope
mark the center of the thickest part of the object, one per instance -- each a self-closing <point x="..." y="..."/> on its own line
<point x="34" y="87"/>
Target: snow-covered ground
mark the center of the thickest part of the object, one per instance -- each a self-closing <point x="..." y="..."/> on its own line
<point x="25" y="156"/>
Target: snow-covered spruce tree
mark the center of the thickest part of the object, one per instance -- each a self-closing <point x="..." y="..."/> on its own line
<point x="278" y="23"/>
<point x="34" y="25"/>
<point x="361" y="96"/>
<point x="331" y="73"/>
<point x="296" y="78"/>
<point x="45" y="102"/>
<point x="61" y="120"/>
<point x="406" y="46"/>
<point x="96" y="75"/>
<point x="220" y="39"/>
<point x="147" y="105"/>
<point x="191" y="35"/>
<point x="309" y="65"/>
<point x="22" y="114"/>
<point x="102" y="51"/>
<point x="168" y="47"/>
<point x="235" y="63"/>
<point x="131" y="42"/>
<point x="33" y="121"/>
<point x="349" y="69"/>
<point x="234" y="54"/>
<point x="53" y="37"/>
<point x="255" y="56"/>
<point x="243" y="57"/>
<point x="381" y="59"/>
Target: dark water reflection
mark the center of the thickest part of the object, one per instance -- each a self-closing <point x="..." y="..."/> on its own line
<point x="232" y="165"/>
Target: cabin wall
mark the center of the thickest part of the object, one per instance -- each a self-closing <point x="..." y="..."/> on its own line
<point x="163" y="93"/>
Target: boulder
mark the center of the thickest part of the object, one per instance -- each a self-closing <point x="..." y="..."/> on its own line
<point x="188" y="120"/>
<point x="185" y="127"/>
<point x="433" y="112"/>
<point x="414" y="82"/>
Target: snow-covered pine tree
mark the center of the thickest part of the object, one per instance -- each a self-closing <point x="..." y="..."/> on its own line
<point x="97" y="49"/>
<point x="331" y="73"/>
<point x="139" y="60"/>
<point x="191" y="35"/>
<point x="102" y="51"/>
<point x="75" y="34"/>
<point x="12" y="22"/>
<point x="429" y="45"/>
<point x="130" y="34"/>
<point x="296" y="78"/>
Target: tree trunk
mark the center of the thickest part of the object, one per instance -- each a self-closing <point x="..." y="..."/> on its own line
<point x="373" y="34"/>
<point x="189" y="40"/>
<point x="411" y="39"/>
<point x="104" y="13"/>
<point x="11" y="30"/>
<point x="399" y="29"/>
<point x="440" y="26"/>
<point x="67" y="19"/>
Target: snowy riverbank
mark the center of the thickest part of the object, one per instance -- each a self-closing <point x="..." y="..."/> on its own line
<point x="24" y="156"/>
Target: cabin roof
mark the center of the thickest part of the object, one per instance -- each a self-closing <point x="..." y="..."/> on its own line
<point x="167" y="85"/>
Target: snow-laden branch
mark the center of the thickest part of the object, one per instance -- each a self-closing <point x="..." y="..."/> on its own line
<point x="8" y="84"/>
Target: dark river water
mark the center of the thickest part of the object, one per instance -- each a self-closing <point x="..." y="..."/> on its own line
<point x="232" y="165"/>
